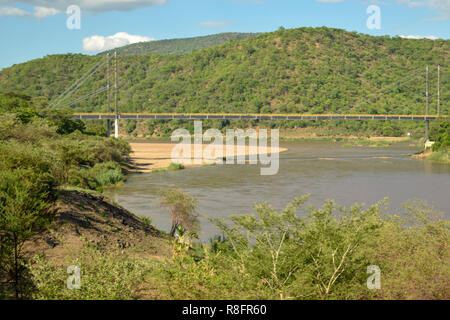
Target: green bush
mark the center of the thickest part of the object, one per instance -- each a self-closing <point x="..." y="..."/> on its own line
<point x="175" y="166"/>
<point x="63" y="120"/>
<point x="25" y="198"/>
<point x="182" y="207"/>
<point x="108" y="173"/>
<point x="321" y="253"/>
<point x="16" y="155"/>
<point x="96" y="128"/>
<point x="442" y="137"/>
<point x="102" y="174"/>
<point x="130" y="126"/>
<point x="104" y="276"/>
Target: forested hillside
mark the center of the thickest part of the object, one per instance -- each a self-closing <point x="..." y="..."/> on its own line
<point x="183" y="45"/>
<point x="305" y="70"/>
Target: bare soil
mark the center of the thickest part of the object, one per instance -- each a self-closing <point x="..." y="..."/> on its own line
<point x="81" y="216"/>
<point x="148" y="156"/>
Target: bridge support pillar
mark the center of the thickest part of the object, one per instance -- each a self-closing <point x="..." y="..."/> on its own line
<point x="427" y="129"/>
<point x="108" y="128"/>
<point x="116" y="128"/>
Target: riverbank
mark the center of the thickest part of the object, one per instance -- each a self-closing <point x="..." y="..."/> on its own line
<point x="84" y="217"/>
<point x="439" y="156"/>
<point x="149" y="156"/>
<point x="155" y="154"/>
<point x="120" y="256"/>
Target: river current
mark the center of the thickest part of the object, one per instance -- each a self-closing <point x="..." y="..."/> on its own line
<point x="323" y="169"/>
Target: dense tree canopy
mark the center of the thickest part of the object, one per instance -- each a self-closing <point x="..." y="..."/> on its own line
<point x="314" y="70"/>
<point x="184" y="45"/>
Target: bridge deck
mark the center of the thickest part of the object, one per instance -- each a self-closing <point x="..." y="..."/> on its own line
<point x="255" y="116"/>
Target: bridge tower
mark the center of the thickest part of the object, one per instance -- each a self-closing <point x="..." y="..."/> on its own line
<point x="108" y="122"/>
<point x="116" y="121"/>
<point x="427" y="122"/>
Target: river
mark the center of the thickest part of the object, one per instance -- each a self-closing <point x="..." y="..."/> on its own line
<point x="325" y="170"/>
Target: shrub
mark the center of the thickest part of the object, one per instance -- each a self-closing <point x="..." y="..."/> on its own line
<point x="322" y="253"/>
<point x="442" y="137"/>
<point x="25" y="198"/>
<point x="130" y="126"/>
<point x="102" y="174"/>
<point x="182" y="208"/>
<point x="104" y="275"/>
<point x="175" y="166"/>
<point x="63" y="120"/>
<point x="108" y="173"/>
<point x="15" y="155"/>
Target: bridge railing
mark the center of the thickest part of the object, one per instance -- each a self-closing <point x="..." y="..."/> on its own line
<point x="255" y="116"/>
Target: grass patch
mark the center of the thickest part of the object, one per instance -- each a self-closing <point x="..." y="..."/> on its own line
<point x="366" y="143"/>
<point x="441" y="156"/>
<point x="172" y="167"/>
<point x="175" y="166"/>
<point x="146" y="220"/>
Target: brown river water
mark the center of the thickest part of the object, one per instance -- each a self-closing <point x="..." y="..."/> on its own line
<point x="325" y="170"/>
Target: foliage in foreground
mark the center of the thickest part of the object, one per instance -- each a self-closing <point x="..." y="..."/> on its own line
<point x="324" y="255"/>
<point x="24" y="210"/>
<point x="182" y="208"/>
<point x="104" y="275"/>
<point x="40" y="149"/>
<point x="51" y="141"/>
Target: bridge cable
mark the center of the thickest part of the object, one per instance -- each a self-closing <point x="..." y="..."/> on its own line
<point x="83" y="81"/>
<point x="94" y="93"/>
<point x="98" y="91"/>
<point x="77" y="83"/>
<point x="399" y="82"/>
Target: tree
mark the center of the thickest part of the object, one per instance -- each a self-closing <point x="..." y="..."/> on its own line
<point x="442" y="137"/>
<point x="63" y="120"/>
<point x="24" y="209"/>
<point x="182" y="208"/>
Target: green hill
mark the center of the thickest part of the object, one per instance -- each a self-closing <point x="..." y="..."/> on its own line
<point x="179" y="46"/>
<point x="314" y="70"/>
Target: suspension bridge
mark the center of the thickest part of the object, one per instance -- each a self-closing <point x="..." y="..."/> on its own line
<point x="252" y="116"/>
<point x="116" y="115"/>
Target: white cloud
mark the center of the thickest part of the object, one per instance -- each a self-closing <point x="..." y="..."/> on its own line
<point x="442" y="7"/>
<point x="13" y="12"/>
<point x="39" y="12"/>
<point x="100" y="43"/>
<point x="42" y="12"/>
<point x="419" y="37"/>
<point x="214" y="23"/>
<point x="93" y="6"/>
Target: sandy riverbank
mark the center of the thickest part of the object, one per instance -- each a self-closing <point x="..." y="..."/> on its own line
<point x="148" y="156"/>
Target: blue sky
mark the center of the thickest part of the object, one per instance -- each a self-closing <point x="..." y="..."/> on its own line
<point x="31" y="29"/>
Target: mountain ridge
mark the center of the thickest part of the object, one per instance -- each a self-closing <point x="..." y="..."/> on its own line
<point x="313" y="70"/>
<point x="180" y="45"/>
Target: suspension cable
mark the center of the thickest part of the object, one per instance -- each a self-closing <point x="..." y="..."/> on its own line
<point x="98" y="91"/>
<point x="378" y="94"/>
<point x="77" y="83"/>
